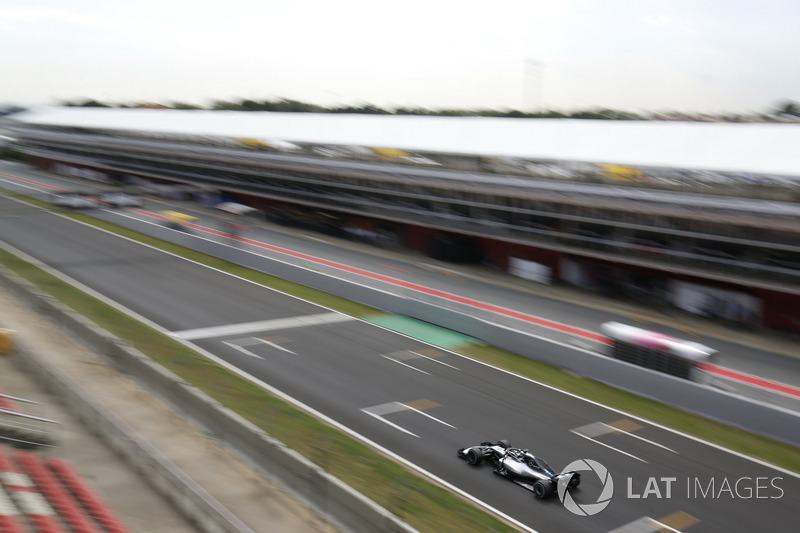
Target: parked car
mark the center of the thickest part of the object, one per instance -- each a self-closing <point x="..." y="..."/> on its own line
<point x="121" y="199"/>
<point x="73" y="200"/>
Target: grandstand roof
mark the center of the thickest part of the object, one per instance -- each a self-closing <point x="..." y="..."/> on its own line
<point x="760" y="148"/>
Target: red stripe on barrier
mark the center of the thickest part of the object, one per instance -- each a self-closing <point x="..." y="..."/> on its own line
<point x="775" y="386"/>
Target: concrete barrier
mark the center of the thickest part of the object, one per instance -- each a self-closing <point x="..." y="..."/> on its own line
<point x="187" y="496"/>
<point x="342" y="505"/>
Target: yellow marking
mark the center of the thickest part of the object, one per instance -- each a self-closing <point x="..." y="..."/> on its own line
<point x="688" y="332"/>
<point x="626" y="425"/>
<point x="421" y="405"/>
<point x="430" y="352"/>
<point x="275" y="339"/>
<point x="178" y="217"/>
<point x="678" y="520"/>
<point x="390" y="153"/>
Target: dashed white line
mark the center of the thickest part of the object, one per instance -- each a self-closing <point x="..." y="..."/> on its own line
<point x="390" y="358"/>
<point x="618" y="430"/>
<point x="435" y="360"/>
<point x="274" y="345"/>
<point x="241" y="349"/>
<point x="389" y="423"/>
<point x="607" y="446"/>
<point x="426" y="414"/>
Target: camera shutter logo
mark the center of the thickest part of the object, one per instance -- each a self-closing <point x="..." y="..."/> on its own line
<point x="586" y="509"/>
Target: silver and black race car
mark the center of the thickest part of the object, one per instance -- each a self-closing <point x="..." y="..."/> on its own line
<point x="521" y="467"/>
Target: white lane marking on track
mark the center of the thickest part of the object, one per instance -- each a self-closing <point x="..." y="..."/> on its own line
<point x="240" y="344"/>
<point x="389" y="423"/>
<point x="263" y="325"/>
<point x="661" y="526"/>
<point x="644" y="524"/>
<point x="429" y="416"/>
<point x="241" y="349"/>
<point x="312" y="238"/>
<point x="607" y="446"/>
<point x="395" y="407"/>
<point x="618" y="430"/>
<point x="435" y="360"/>
<point x="274" y="345"/>
<point x="436" y="268"/>
<point x="390" y="358"/>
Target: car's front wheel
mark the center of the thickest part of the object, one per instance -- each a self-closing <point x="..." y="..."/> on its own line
<point x="542" y="490"/>
<point x="474" y="457"/>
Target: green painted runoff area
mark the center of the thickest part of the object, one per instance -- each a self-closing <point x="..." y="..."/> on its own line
<point x="420" y="330"/>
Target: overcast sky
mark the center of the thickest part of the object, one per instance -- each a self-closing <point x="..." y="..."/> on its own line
<point x="656" y="55"/>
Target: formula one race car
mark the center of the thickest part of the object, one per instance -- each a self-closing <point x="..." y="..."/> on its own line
<point x="521" y="467"/>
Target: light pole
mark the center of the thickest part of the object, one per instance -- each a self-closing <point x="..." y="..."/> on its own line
<point x="534" y="72"/>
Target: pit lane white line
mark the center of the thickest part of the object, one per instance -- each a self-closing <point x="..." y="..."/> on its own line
<point x="429" y="416"/>
<point x="435" y="360"/>
<point x="607" y="446"/>
<point x="395" y="407"/>
<point x="263" y="325"/>
<point x="617" y="430"/>
<point x="243" y="350"/>
<point x="395" y="426"/>
<point x="596" y="429"/>
<point x="275" y="345"/>
<point x="645" y="524"/>
<point x="392" y="359"/>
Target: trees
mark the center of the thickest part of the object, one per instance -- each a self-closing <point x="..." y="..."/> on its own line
<point x="788" y="107"/>
<point x="86" y="102"/>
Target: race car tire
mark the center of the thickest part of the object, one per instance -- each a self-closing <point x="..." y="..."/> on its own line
<point x="474" y="457"/>
<point x="504" y="443"/>
<point x="542" y="490"/>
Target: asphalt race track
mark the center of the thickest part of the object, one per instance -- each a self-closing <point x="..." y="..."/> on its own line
<point x="421" y="402"/>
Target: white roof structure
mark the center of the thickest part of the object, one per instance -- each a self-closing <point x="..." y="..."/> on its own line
<point x="759" y="148"/>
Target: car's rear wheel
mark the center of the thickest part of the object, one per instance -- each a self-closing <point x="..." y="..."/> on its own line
<point x="542" y="490"/>
<point x="474" y="457"/>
